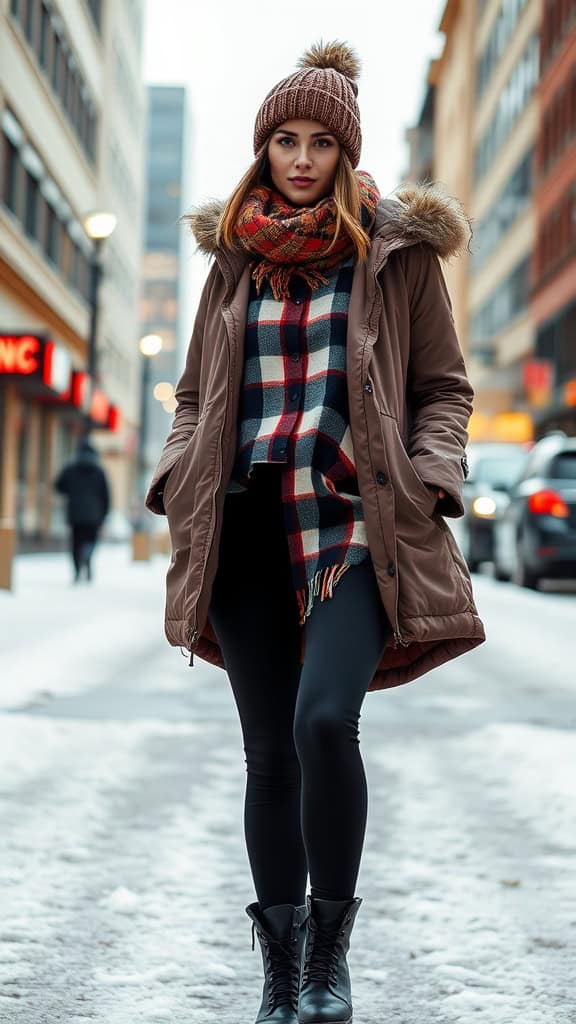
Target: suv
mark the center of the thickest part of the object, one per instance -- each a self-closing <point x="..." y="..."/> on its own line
<point x="536" y="536"/>
<point x="492" y="468"/>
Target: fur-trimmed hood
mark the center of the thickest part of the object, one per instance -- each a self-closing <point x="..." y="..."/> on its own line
<point x="415" y="212"/>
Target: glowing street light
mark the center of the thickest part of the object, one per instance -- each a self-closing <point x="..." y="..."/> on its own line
<point x="171" y="405"/>
<point x="163" y="391"/>
<point x="150" y="344"/>
<point x="99" y="225"/>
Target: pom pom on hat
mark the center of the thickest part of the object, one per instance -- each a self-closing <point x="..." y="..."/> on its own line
<point x="336" y="55"/>
<point x="323" y="89"/>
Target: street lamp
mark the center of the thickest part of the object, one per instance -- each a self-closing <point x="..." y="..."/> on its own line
<point x="150" y="345"/>
<point x="98" y="225"/>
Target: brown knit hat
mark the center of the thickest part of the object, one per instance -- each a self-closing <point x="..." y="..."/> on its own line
<point x="324" y="90"/>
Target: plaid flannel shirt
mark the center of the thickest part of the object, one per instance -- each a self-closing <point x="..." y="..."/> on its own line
<point x="294" y="410"/>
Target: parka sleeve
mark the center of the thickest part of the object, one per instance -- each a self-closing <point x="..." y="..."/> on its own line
<point x="439" y="393"/>
<point x="187" y="395"/>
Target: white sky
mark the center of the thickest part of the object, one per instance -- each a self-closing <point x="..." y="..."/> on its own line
<point x="230" y="53"/>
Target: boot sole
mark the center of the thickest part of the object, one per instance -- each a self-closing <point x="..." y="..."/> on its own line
<point x="347" y="1021"/>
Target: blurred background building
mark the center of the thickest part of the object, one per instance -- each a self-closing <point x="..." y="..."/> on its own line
<point x="499" y="113"/>
<point x="553" y="294"/>
<point x="163" y="306"/>
<point x="73" y="128"/>
<point x="79" y="132"/>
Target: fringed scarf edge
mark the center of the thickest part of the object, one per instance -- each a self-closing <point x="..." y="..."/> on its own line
<point x="321" y="585"/>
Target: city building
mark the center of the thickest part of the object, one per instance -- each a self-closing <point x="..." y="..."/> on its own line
<point x="504" y="133"/>
<point x="485" y="126"/>
<point x="451" y="77"/>
<point x="163" y="306"/>
<point x="420" y="140"/>
<point x="72" y="133"/>
<point x="551" y="377"/>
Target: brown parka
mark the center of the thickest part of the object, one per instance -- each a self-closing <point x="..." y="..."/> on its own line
<point x="409" y="400"/>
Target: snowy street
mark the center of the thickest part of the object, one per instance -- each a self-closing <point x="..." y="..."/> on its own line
<point x="123" y="873"/>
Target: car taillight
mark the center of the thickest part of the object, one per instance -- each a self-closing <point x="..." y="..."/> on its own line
<point x="548" y="503"/>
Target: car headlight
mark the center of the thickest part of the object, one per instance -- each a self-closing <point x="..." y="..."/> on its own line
<point x="484" y="507"/>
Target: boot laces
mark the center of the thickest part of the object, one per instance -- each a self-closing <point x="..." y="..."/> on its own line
<point x="321" y="962"/>
<point x="282" y="971"/>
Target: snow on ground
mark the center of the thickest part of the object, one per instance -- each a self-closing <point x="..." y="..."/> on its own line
<point x="60" y="637"/>
<point x="482" y="840"/>
<point x="123" y="872"/>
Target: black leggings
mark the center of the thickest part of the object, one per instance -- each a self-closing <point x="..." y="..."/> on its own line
<point x="306" y="795"/>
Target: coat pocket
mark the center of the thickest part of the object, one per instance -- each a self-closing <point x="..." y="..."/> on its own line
<point x="409" y="488"/>
<point x="170" y="482"/>
<point x="184" y="468"/>
<point x="429" y="581"/>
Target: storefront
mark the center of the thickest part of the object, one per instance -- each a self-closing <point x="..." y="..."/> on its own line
<point x="43" y="414"/>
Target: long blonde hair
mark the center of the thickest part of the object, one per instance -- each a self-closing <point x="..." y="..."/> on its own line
<point x="346" y="197"/>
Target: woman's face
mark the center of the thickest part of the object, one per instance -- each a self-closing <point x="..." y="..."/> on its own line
<point x="303" y="157"/>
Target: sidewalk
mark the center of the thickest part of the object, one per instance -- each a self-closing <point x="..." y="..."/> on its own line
<point x="58" y="636"/>
<point x="123" y="870"/>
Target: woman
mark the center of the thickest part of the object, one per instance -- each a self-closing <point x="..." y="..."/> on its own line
<point x="318" y="442"/>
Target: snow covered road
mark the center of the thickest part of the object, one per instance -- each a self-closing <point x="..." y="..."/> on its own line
<point x="123" y="875"/>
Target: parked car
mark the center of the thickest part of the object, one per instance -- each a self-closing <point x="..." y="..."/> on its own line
<point x="536" y="536"/>
<point x="492" y="468"/>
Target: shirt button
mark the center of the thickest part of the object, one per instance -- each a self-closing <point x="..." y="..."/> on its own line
<point x="368" y="387"/>
<point x="295" y="357"/>
<point x="391" y="569"/>
<point x="381" y="478"/>
<point x="297" y="302"/>
<point x="294" y="396"/>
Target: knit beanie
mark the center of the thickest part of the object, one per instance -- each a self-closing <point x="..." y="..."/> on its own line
<point x="323" y="90"/>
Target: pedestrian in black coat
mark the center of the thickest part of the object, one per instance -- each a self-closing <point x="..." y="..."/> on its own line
<point x="84" y="483"/>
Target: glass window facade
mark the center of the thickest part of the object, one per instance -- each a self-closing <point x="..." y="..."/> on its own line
<point x="31" y="205"/>
<point x="508" y="300"/>
<point x="46" y="222"/>
<point x="54" y="54"/>
<point x="513" y="199"/>
<point x="511" y="103"/>
<point x="164" y="170"/>
<point x="502" y="31"/>
<point x="10" y="174"/>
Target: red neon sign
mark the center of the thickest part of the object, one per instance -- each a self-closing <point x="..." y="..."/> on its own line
<point x="114" y="418"/>
<point x="100" y="407"/>
<point x="78" y="388"/>
<point x="20" y="355"/>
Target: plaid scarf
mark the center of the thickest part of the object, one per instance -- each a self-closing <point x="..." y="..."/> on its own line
<point x="294" y="410"/>
<point x="292" y="240"/>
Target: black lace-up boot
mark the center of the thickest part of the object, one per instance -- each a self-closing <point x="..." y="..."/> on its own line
<point x="281" y="933"/>
<point x="325" y="991"/>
